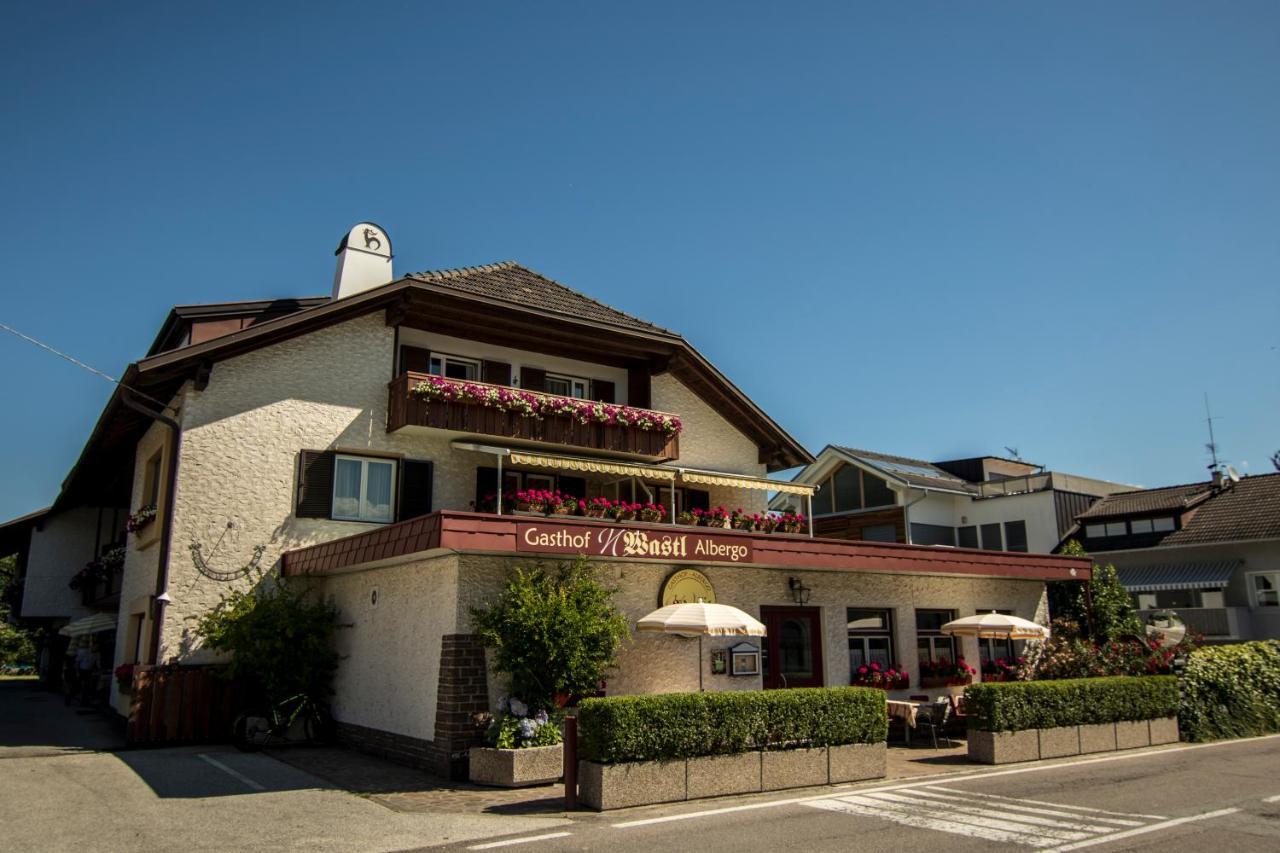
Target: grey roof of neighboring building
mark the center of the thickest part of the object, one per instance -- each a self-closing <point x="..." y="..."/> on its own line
<point x="1149" y="500"/>
<point x="915" y="472"/>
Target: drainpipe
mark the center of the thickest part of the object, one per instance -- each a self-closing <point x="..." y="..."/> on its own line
<point x="906" y="511"/>
<point x="166" y="530"/>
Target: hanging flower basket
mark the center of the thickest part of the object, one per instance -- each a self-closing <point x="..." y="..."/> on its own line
<point x="140" y="518"/>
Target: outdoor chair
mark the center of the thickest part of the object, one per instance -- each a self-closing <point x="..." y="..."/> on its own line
<point x="959" y="722"/>
<point x="934" y="717"/>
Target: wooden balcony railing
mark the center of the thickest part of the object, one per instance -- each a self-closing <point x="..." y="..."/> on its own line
<point x="406" y="408"/>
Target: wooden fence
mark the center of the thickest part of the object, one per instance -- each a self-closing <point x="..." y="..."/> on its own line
<point x="181" y="704"/>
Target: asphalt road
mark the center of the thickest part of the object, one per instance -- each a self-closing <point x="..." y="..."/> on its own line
<point x="1220" y="797"/>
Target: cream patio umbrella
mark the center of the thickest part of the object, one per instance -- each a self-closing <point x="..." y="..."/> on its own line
<point x="701" y="620"/>
<point x="993" y="625"/>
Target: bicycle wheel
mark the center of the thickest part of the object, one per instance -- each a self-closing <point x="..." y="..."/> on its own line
<point x="245" y="733"/>
<point x="318" y="725"/>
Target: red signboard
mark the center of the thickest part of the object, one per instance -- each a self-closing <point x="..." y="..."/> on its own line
<point x="679" y="543"/>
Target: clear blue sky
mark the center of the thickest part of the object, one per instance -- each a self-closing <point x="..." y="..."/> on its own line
<point x="931" y="229"/>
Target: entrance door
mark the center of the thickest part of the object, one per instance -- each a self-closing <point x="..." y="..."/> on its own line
<point x="792" y="647"/>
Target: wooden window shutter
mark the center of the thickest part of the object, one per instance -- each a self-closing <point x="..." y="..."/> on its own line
<point x="576" y="486"/>
<point x="639" y="390"/>
<point x="315" y="484"/>
<point x="533" y="379"/>
<point x="697" y="499"/>
<point x="496" y="373"/>
<point x="486" y="484"/>
<point x="415" y="359"/>
<point x="602" y="391"/>
<point x="415" y="489"/>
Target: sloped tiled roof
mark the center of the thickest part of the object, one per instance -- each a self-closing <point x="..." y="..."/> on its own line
<point x="1249" y="509"/>
<point x="1171" y="498"/>
<point x="916" y="472"/>
<point x="510" y="282"/>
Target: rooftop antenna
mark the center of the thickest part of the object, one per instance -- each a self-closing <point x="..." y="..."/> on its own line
<point x="1212" y="446"/>
<point x="1013" y="452"/>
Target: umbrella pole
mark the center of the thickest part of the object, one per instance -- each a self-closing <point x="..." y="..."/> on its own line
<point x="699" y="663"/>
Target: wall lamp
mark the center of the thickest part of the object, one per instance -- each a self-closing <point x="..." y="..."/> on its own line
<point x="799" y="592"/>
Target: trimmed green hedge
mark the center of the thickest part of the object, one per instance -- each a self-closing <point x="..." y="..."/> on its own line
<point x="1019" y="705"/>
<point x="688" y="725"/>
<point x="1231" y="691"/>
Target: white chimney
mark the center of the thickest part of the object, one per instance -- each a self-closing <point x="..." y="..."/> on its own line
<point x="364" y="260"/>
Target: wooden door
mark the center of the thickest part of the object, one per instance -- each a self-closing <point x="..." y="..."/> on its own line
<point x="792" y="647"/>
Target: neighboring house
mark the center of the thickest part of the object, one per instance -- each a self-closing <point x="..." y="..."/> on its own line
<point x="350" y="436"/>
<point x="985" y="502"/>
<point x="1208" y="551"/>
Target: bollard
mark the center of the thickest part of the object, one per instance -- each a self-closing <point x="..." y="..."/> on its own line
<point x="570" y="763"/>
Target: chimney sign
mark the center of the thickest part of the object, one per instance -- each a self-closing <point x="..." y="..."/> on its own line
<point x="364" y="260"/>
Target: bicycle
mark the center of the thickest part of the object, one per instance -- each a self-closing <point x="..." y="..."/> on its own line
<point x="298" y="719"/>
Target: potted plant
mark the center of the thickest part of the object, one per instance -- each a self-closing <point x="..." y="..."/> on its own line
<point x="689" y="516"/>
<point x="767" y="523"/>
<point x="623" y="511"/>
<point x="140" y="518"/>
<point x="124" y="677"/>
<point x="554" y="632"/>
<point x="562" y="504"/>
<point x="791" y="522"/>
<point x="530" y="500"/>
<point x="874" y="675"/>
<point x="944" y="673"/>
<point x="652" y="512"/>
<point x="718" y="517"/>
<point x="740" y="520"/>
<point x="595" y="508"/>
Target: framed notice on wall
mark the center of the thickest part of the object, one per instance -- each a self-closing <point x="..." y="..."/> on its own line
<point x="719" y="662"/>
<point x="744" y="659"/>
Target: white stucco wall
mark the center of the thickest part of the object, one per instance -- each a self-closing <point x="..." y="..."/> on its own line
<point x="389" y="671"/>
<point x="60" y="547"/>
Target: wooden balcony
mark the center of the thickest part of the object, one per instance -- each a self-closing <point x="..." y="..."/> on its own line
<point x="406" y="408"/>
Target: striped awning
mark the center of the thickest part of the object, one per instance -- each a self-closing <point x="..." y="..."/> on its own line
<point x="1212" y="575"/>
<point x="89" y="625"/>
<point x="738" y="481"/>
<point x="594" y="466"/>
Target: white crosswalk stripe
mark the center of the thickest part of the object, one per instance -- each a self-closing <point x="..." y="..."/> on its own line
<point x="1032" y="823"/>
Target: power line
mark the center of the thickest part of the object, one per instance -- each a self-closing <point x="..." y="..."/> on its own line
<point x="78" y="363"/>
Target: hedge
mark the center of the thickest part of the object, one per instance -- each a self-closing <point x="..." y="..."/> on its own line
<point x="1019" y="705"/>
<point x="688" y="725"/>
<point x="1231" y="691"/>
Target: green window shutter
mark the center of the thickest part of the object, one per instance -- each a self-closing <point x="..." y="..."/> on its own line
<point x="415" y="489"/>
<point x="315" y="484"/>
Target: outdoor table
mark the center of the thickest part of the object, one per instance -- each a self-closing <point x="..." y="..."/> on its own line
<point x="905" y="711"/>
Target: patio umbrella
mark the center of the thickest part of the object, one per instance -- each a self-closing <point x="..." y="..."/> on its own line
<point x="995" y="625"/>
<point x="701" y="620"/>
<point x="89" y="625"/>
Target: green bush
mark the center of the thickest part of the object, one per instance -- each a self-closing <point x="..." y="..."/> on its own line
<point x="1018" y="705"/>
<point x="1231" y="691"/>
<point x="688" y="725"/>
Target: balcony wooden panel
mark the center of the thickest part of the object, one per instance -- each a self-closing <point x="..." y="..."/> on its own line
<point x="408" y="409"/>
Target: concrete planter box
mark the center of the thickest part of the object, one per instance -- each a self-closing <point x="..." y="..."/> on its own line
<point x="793" y="768"/>
<point x="1132" y="735"/>
<point x="1059" y="742"/>
<point x="516" y="768"/>
<point x="1164" y="730"/>
<point x="721" y="775"/>
<point x="854" y="762"/>
<point x="640" y="783"/>
<point x="1003" y="747"/>
<point x="1099" y="738"/>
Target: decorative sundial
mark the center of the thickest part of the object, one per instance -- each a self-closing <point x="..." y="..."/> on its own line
<point x="203" y="563"/>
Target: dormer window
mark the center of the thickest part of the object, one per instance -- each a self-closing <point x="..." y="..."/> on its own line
<point x="1133" y="527"/>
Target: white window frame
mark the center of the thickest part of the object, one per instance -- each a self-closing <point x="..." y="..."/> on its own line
<point x="364" y="514"/>
<point x="1253" y="589"/>
<point x="445" y="360"/>
<point x="579" y="388"/>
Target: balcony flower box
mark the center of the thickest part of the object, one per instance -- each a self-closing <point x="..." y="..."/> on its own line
<point x="140" y="518"/>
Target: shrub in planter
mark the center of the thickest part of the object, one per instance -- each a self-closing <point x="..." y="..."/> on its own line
<point x="669" y="726"/>
<point x="1020" y="705"/>
<point x="515" y="726"/>
<point x="1231" y="691"/>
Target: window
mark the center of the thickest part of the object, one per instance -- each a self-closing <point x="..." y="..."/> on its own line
<point x="567" y="386"/>
<point x="876" y="492"/>
<point x="1095" y="531"/>
<point x="852" y="489"/>
<point x="991" y="537"/>
<point x="136" y="623"/>
<point x="998" y="648"/>
<point x="848" y="488"/>
<point x="932" y="534"/>
<point x="362" y="489"/>
<point x="968" y="536"/>
<point x="453" y="367"/>
<point x="822" y="499"/>
<point x="1116" y="528"/>
<point x="870" y="638"/>
<point x="932" y="645"/>
<point x="880" y="533"/>
<point x="1162" y="525"/>
<point x="1266" y="589"/>
<point x="1015" y="535"/>
<point x="1140" y="525"/>
<point x="151" y="481"/>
